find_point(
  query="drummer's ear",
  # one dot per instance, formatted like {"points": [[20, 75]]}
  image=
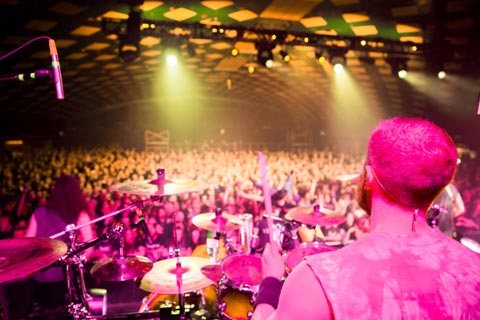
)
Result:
{"points": [[369, 177]]}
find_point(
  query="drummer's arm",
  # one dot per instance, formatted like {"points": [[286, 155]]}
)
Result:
{"points": [[32, 227], [302, 297], [86, 232]]}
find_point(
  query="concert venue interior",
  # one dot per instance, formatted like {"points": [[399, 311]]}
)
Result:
{"points": [[197, 88]]}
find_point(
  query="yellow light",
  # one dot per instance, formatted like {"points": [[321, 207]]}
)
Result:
{"points": [[441, 75], [234, 52], [363, 43], [321, 59], [214, 30], [274, 36], [414, 48], [338, 68], [306, 40], [251, 69], [402, 73]]}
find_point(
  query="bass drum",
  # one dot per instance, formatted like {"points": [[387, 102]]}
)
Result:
{"points": [[200, 304], [236, 303]]}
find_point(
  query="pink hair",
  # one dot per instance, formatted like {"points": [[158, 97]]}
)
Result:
{"points": [[413, 159]]}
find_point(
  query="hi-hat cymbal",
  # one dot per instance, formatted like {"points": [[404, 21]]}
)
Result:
{"points": [[223, 223], [122, 268], [21, 256], [315, 216], [159, 187], [169, 277]]}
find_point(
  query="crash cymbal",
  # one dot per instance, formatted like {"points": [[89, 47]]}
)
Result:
{"points": [[316, 216], [122, 268], [159, 187], [21, 256], [218, 223], [167, 277]]}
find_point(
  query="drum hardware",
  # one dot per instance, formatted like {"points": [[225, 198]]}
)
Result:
{"points": [[77, 297]]}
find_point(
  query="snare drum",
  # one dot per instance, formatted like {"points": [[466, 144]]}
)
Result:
{"points": [[243, 270]]}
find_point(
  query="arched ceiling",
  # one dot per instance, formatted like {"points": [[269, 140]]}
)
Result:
{"points": [[102, 90]]}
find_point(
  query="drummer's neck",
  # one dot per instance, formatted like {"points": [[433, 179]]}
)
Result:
{"points": [[388, 216]]}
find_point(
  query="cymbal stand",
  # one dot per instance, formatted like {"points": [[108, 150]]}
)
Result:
{"points": [[77, 298], [178, 271]]}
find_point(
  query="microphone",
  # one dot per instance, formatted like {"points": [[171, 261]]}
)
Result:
{"points": [[144, 228], [57, 73], [37, 74]]}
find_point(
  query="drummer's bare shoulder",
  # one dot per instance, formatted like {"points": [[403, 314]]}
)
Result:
{"points": [[310, 299]]}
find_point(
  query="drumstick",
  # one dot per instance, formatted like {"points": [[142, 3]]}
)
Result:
{"points": [[266, 194]]}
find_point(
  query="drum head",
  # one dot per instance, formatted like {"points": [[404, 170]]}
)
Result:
{"points": [[243, 269], [295, 256]]}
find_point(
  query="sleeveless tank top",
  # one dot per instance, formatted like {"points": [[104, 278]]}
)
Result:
{"points": [[401, 276]]}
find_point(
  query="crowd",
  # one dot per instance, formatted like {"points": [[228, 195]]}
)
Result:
{"points": [[297, 179]]}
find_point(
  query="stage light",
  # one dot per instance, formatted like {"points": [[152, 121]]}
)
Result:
{"points": [[234, 52], [264, 54], [398, 66], [251, 69], [172, 59], [191, 50], [337, 58], [285, 56], [441, 75], [320, 55], [129, 49], [338, 61]]}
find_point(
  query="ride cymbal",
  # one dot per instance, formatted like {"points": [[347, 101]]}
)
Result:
{"points": [[176, 276], [315, 216], [122, 268], [21, 256], [159, 187]]}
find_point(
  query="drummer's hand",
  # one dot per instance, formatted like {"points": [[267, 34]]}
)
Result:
{"points": [[272, 262]]}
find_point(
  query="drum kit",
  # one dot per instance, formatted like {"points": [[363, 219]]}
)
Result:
{"points": [[212, 286]]}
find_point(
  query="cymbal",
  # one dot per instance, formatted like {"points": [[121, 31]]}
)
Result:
{"points": [[223, 223], [122, 268], [167, 277], [212, 271], [315, 216], [354, 177], [159, 187], [21, 256], [295, 256]]}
